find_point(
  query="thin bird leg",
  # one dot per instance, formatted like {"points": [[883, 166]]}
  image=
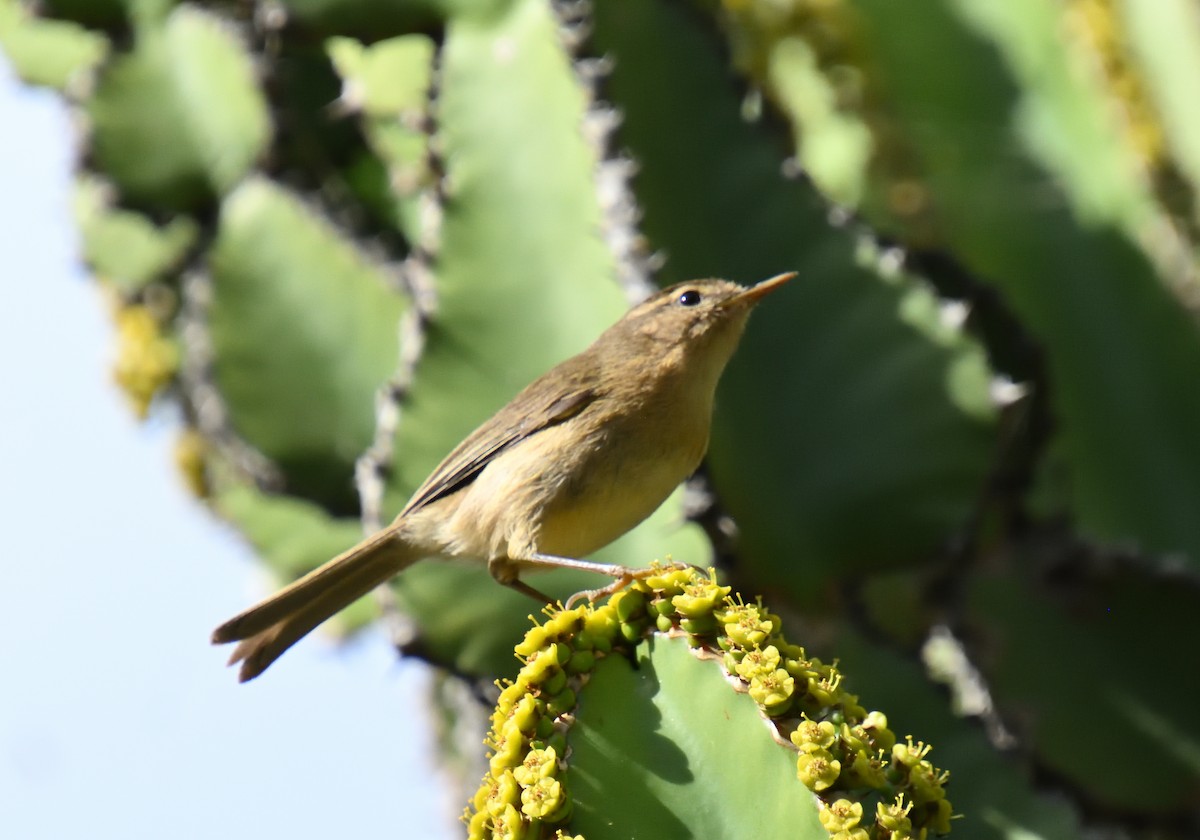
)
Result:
{"points": [[622, 575], [525, 589], [550, 561]]}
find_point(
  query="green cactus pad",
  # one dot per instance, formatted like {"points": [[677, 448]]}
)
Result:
{"points": [[125, 248], [208, 123], [1093, 681], [304, 331], [388, 85], [609, 734], [53, 53], [1121, 351], [661, 746], [851, 429]]}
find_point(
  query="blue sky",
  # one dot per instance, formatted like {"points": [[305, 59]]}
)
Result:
{"points": [[117, 719]]}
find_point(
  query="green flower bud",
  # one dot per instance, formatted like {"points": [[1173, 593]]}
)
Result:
{"points": [[562, 703], [554, 683], [662, 607], [581, 662], [876, 726], [704, 626], [629, 604], [633, 633]]}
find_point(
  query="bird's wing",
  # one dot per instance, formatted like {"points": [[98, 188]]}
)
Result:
{"points": [[546, 402]]}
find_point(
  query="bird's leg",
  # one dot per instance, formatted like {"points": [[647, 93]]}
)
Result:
{"points": [[622, 575], [506, 570], [551, 561], [525, 589], [626, 577]]}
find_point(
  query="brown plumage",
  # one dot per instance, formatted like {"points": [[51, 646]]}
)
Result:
{"points": [[576, 459]]}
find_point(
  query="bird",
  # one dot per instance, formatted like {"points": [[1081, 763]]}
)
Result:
{"points": [[576, 459]]}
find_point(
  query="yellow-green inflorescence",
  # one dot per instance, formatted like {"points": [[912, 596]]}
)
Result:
{"points": [[869, 786], [147, 357]]}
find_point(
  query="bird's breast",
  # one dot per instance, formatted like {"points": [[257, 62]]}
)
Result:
{"points": [[625, 470], [573, 488]]}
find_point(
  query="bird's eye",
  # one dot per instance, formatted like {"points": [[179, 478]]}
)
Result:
{"points": [[689, 298]]}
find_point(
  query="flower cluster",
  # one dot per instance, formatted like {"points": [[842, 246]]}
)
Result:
{"points": [[847, 756], [525, 788], [147, 360], [870, 787]]}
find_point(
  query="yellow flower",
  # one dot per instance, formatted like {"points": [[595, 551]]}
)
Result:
{"points": [[894, 817], [699, 598], [509, 825], [818, 769], [502, 792], [544, 800], [773, 691], [746, 626], [811, 735], [146, 359], [538, 764], [910, 754], [841, 815]]}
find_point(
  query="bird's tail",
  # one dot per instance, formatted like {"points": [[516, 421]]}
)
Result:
{"points": [[273, 625]]}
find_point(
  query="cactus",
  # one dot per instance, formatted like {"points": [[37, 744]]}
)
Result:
{"points": [[958, 455]]}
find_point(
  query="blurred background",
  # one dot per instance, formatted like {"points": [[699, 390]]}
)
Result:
{"points": [[315, 242], [117, 718]]}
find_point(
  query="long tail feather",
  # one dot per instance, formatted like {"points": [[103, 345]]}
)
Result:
{"points": [[273, 625]]}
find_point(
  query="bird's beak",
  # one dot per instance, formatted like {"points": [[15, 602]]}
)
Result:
{"points": [[759, 290]]}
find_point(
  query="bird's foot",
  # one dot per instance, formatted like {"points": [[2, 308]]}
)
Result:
{"points": [[624, 576]]}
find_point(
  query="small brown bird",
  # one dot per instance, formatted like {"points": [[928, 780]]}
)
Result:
{"points": [[579, 457]]}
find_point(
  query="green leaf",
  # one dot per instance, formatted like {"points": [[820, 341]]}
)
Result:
{"points": [[389, 78], [304, 331], [667, 749], [53, 53], [1095, 680], [125, 248], [852, 429], [1164, 43], [388, 83], [1121, 351], [178, 121]]}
